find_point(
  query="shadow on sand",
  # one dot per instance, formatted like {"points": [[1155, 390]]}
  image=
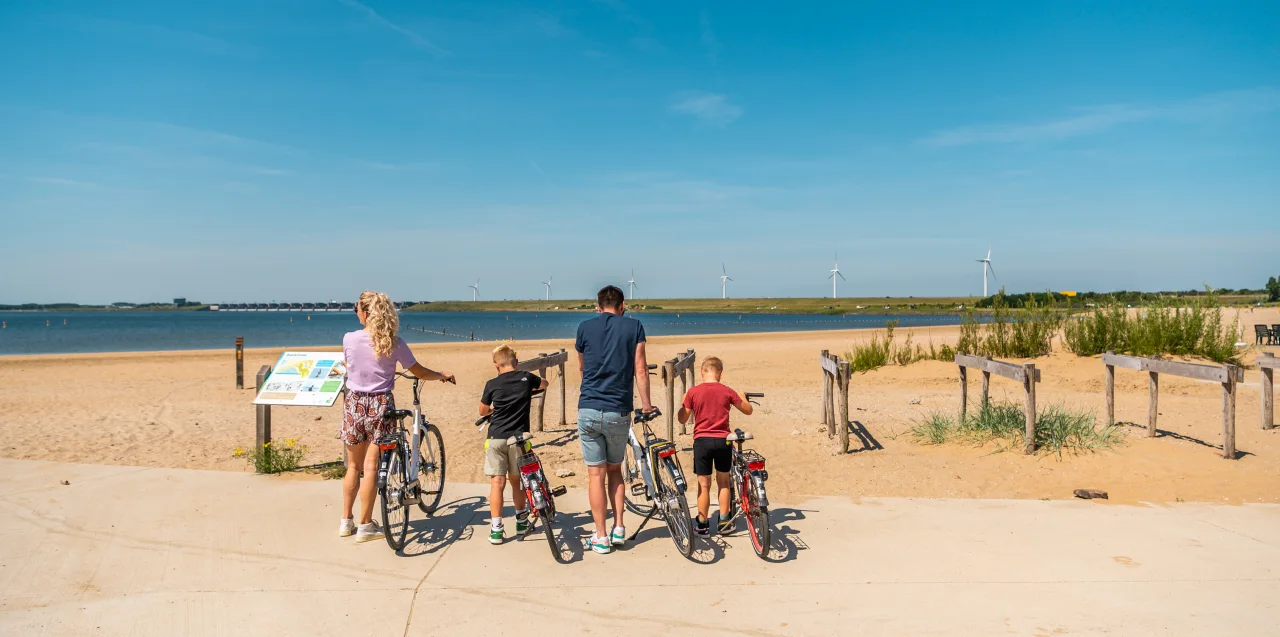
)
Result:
{"points": [[1162, 433]]}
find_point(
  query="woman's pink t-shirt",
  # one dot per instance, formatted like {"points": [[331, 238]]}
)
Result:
{"points": [[368, 372]]}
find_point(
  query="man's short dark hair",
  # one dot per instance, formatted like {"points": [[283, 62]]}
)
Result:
{"points": [[610, 298]]}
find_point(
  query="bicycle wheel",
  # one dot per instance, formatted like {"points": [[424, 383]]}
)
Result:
{"points": [[431, 468], [547, 516], [395, 515], [675, 509], [757, 519], [637, 504]]}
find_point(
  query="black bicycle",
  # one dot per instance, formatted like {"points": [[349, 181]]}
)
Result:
{"points": [[411, 470], [747, 476], [539, 494], [660, 480]]}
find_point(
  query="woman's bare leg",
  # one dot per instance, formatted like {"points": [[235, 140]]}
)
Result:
{"points": [[369, 484], [351, 481]]}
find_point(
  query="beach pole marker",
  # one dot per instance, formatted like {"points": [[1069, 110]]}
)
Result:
{"points": [[239, 362]]}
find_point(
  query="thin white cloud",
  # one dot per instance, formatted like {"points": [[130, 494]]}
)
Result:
{"points": [[161, 36], [1100, 118], [710, 108], [709, 41], [416, 38]]}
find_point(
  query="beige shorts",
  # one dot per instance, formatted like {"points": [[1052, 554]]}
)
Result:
{"points": [[502, 456]]}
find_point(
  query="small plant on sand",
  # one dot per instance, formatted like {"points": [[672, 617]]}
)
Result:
{"points": [[1058, 429], [273, 457], [1163, 329], [874, 354], [335, 470]]}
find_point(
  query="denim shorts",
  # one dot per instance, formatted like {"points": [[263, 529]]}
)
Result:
{"points": [[603, 435]]}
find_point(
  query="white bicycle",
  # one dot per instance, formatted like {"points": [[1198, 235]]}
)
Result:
{"points": [[412, 468]]}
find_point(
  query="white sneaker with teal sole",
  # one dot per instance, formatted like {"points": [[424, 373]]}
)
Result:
{"points": [[601, 545], [619, 536]]}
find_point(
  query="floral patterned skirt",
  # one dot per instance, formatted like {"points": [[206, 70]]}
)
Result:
{"points": [[364, 417]]}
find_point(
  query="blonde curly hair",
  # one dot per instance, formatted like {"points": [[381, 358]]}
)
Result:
{"points": [[381, 320]]}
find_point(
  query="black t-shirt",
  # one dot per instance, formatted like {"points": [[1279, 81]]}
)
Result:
{"points": [[509, 394], [608, 345]]}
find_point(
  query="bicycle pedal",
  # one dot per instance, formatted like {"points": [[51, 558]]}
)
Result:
{"points": [[637, 490], [559, 491]]}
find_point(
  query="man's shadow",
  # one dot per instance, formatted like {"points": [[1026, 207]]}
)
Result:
{"points": [[450, 523]]}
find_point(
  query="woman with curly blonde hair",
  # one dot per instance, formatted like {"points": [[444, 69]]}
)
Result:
{"points": [[371, 356]]}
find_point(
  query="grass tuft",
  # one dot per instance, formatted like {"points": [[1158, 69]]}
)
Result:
{"points": [[1058, 429], [273, 457]]}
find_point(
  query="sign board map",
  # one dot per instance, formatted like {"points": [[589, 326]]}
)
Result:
{"points": [[309, 379]]}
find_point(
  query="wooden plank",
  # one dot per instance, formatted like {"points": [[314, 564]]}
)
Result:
{"points": [[1153, 409], [1122, 361], [543, 361], [843, 428], [999, 368], [829, 363], [1267, 360], [1229, 415], [969, 360], [685, 361]]}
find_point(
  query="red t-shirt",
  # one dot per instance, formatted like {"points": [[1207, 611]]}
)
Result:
{"points": [[710, 404]]}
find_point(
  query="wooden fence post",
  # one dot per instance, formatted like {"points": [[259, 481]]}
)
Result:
{"points": [[1111, 393], [844, 405], [986, 389], [1229, 413], [668, 379], [1267, 379], [563, 406], [1030, 385], [831, 398], [1153, 408], [825, 391], [263, 411], [239, 362], [694, 370], [539, 406], [964, 391]]}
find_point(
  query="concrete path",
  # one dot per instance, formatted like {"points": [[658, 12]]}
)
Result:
{"points": [[142, 551]]}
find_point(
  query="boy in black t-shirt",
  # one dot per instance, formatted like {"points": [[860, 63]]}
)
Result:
{"points": [[506, 401]]}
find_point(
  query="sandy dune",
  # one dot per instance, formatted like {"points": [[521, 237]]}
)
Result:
{"points": [[180, 409]]}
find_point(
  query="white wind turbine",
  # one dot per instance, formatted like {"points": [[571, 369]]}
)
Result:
{"points": [[548, 284], [835, 273], [475, 291], [724, 279], [986, 265], [631, 285]]}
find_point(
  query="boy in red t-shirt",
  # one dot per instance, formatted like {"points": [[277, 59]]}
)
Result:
{"points": [[709, 404]]}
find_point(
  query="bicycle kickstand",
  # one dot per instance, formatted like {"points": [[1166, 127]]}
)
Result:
{"points": [[642, 523]]}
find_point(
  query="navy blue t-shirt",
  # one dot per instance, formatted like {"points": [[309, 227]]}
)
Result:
{"points": [[608, 345]]}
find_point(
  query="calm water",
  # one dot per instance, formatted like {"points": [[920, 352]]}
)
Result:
{"points": [[68, 332]]}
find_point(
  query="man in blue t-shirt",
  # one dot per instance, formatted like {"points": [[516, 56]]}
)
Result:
{"points": [[611, 357]]}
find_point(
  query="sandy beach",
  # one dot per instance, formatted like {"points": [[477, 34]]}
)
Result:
{"points": [[181, 410]]}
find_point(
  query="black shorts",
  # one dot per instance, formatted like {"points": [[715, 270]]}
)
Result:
{"points": [[708, 452]]}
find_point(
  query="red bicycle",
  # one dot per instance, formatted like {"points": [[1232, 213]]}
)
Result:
{"points": [[747, 476]]}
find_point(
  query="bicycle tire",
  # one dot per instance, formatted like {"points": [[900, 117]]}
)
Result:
{"points": [[637, 504], [395, 515], [676, 510], [431, 478], [757, 517], [547, 516]]}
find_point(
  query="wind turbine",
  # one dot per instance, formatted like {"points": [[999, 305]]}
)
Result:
{"points": [[475, 291], [835, 273], [548, 284], [631, 285], [986, 265], [724, 279]]}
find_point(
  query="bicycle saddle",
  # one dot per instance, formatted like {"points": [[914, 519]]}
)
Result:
{"points": [[522, 437], [739, 435], [399, 413]]}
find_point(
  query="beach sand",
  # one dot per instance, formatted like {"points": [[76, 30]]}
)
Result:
{"points": [[181, 409]]}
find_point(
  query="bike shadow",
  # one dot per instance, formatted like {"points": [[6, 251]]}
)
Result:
{"points": [[450, 523], [706, 549], [571, 536], [785, 543]]}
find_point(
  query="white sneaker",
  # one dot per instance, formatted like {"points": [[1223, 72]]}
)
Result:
{"points": [[367, 532], [619, 536], [346, 528]]}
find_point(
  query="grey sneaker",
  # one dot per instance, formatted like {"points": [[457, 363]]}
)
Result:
{"points": [[346, 528], [367, 532]]}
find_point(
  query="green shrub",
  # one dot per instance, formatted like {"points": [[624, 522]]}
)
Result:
{"points": [[273, 457], [1058, 429], [1160, 330]]}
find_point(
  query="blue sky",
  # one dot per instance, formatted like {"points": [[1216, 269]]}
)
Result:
{"points": [[297, 150]]}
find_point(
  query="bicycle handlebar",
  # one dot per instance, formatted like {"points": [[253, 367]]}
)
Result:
{"points": [[642, 417], [409, 376], [749, 395]]}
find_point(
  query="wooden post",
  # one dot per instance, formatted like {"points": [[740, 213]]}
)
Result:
{"points": [[563, 408], [844, 406], [1111, 393], [263, 411], [684, 388], [540, 406], [239, 362], [826, 393], [1153, 408], [694, 370], [668, 379], [831, 400], [1267, 380], [1030, 385], [986, 388], [964, 391], [1229, 413]]}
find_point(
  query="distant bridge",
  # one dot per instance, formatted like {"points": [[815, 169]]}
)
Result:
{"points": [[330, 306]]}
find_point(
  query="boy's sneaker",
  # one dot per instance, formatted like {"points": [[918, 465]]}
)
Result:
{"points": [[368, 532], [523, 525], [497, 535], [601, 545], [347, 527], [701, 526], [619, 536], [725, 525]]}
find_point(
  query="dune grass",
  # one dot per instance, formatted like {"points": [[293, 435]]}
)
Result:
{"points": [[1058, 429], [881, 351], [1160, 330]]}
